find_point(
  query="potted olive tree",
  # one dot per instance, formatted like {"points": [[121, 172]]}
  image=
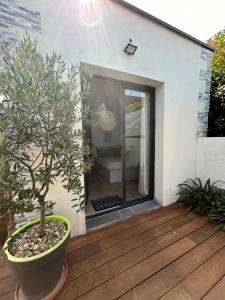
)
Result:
{"points": [[4, 204], [43, 103], [11, 198]]}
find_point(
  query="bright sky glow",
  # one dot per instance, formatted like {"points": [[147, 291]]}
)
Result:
{"points": [[199, 18]]}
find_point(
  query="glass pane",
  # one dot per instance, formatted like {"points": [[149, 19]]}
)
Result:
{"points": [[105, 180], [137, 135]]}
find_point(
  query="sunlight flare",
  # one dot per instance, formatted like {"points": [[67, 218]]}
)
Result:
{"points": [[90, 12]]}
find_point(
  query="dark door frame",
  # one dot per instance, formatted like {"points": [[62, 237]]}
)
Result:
{"points": [[143, 88]]}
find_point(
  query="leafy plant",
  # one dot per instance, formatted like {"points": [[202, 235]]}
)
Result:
{"points": [[201, 198], [217, 93], [218, 215], [41, 137]]}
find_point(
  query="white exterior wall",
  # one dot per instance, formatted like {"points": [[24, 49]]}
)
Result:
{"points": [[164, 59], [211, 159]]}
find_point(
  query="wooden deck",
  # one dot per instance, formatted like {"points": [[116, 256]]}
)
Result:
{"points": [[163, 254]]}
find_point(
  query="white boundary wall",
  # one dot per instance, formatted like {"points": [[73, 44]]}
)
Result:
{"points": [[211, 159]]}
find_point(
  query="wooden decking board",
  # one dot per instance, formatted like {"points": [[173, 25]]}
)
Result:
{"points": [[139, 254], [85, 266], [160, 283], [217, 292], [8, 296], [178, 221], [122, 283], [99, 234], [4, 270], [132, 243], [144, 235], [139, 228], [74, 289], [7, 284], [82, 253], [126, 261], [181, 257], [182, 219], [112, 253], [199, 282], [129, 244]]}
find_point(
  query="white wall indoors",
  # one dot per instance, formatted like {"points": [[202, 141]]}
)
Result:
{"points": [[211, 159], [164, 59]]}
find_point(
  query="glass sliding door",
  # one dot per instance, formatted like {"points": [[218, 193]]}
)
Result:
{"points": [[105, 179], [137, 142], [122, 145]]}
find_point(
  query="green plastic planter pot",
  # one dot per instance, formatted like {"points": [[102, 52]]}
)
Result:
{"points": [[39, 275]]}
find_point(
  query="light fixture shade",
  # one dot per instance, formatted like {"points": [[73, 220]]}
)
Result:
{"points": [[130, 48]]}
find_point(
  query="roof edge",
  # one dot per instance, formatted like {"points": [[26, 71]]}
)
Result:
{"points": [[164, 24]]}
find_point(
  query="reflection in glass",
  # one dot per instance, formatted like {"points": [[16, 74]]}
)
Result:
{"points": [[105, 180], [137, 143]]}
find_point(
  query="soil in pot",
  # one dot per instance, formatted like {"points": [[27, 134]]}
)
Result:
{"points": [[28, 243]]}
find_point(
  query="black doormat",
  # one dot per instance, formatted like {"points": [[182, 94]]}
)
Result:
{"points": [[107, 202]]}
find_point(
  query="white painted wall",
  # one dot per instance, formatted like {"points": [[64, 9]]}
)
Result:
{"points": [[164, 59], [211, 159]]}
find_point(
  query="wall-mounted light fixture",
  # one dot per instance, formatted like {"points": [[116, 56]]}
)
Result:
{"points": [[130, 48]]}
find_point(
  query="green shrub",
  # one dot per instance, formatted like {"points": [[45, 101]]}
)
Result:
{"points": [[218, 215], [201, 198]]}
